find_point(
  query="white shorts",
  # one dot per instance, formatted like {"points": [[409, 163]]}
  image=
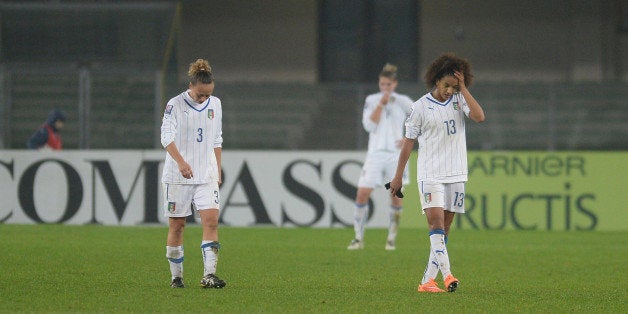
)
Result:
{"points": [[379, 168], [180, 198], [449, 196]]}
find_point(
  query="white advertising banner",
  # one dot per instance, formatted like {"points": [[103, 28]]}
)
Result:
{"points": [[121, 187]]}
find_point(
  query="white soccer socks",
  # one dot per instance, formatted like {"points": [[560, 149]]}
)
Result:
{"points": [[210, 256], [431, 270], [439, 249], [393, 226], [359, 220], [174, 254]]}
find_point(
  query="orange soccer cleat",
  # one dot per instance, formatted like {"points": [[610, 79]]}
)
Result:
{"points": [[451, 283], [430, 286]]}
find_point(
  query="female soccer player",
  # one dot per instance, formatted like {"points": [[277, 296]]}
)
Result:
{"points": [[383, 117], [438, 122], [191, 132]]}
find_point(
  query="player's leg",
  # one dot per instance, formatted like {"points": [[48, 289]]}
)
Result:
{"points": [[210, 247], [431, 269], [207, 198], [372, 175], [174, 250], [432, 203], [176, 207], [449, 218], [393, 225], [210, 244], [390, 167], [360, 216], [454, 203], [438, 260]]}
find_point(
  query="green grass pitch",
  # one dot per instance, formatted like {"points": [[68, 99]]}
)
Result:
{"points": [[57, 268]]}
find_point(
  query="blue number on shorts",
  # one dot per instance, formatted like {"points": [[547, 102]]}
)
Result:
{"points": [[451, 127], [459, 200], [216, 195], [200, 135]]}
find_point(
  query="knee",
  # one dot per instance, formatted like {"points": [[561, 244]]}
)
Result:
{"points": [[362, 196], [210, 221], [177, 226]]}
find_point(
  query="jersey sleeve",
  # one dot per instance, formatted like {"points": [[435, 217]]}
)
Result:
{"points": [[218, 125], [369, 107], [464, 106], [414, 121], [169, 124]]}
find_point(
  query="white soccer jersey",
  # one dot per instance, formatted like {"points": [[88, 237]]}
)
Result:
{"points": [[385, 135], [196, 129], [440, 130]]}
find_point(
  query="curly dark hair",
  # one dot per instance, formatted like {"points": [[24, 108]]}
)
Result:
{"points": [[445, 65]]}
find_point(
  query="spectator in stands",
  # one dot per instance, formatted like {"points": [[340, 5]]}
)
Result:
{"points": [[382, 117], [437, 122], [191, 133], [48, 134]]}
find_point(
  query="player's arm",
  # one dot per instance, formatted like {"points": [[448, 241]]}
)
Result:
{"points": [[168, 132], [372, 113], [376, 114], [218, 153], [218, 140], [476, 113], [406, 148], [184, 167]]}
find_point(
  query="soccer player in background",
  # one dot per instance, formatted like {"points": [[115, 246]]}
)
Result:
{"points": [[437, 121], [383, 117], [191, 133], [48, 134]]}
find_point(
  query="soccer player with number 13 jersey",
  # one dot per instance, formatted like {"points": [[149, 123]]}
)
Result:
{"points": [[437, 122]]}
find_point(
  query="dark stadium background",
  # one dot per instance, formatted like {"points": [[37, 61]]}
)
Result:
{"points": [[552, 75]]}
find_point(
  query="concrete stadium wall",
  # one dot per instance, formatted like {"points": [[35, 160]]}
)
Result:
{"points": [[252, 40], [505, 40]]}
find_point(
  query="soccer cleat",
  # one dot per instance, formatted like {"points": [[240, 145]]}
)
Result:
{"points": [[355, 245], [390, 245], [212, 281], [451, 283], [430, 286], [177, 282]]}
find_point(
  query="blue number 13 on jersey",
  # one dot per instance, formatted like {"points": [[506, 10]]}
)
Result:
{"points": [[451, 127]]}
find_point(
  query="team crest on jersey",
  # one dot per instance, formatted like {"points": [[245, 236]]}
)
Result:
{"points": [[210, 113], [168, 109], [456, 106], [427, 197], [172, 207]]}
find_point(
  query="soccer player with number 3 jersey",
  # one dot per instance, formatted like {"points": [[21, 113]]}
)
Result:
{"points": [[437, 122], [191, 133]]}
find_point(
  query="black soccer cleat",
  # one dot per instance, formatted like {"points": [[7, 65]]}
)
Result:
{"points": [[212, 281], [177, 282]]}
